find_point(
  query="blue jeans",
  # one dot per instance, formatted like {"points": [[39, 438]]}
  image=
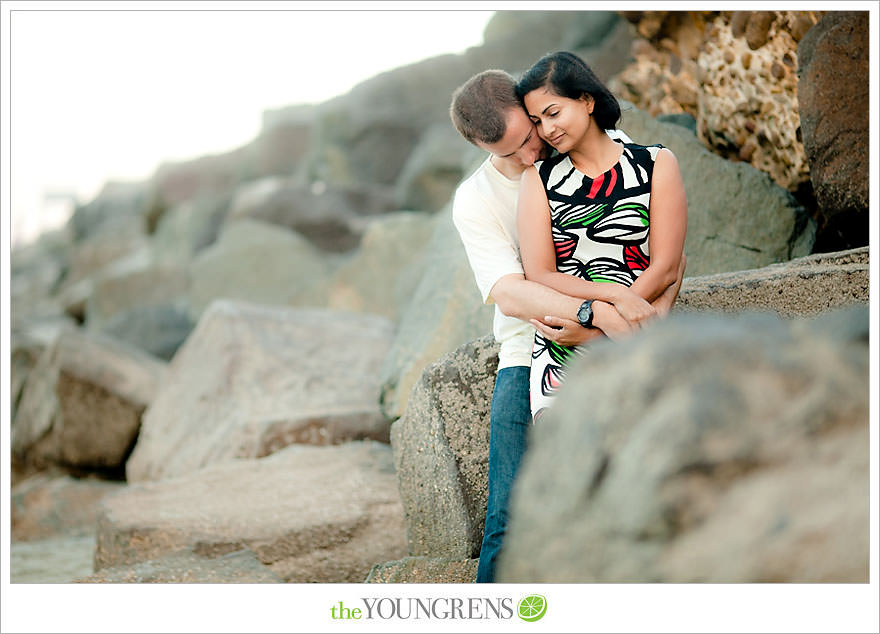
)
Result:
{"points": [[509, 425]]}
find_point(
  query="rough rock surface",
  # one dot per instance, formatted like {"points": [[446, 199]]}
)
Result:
{"points": [[445, 312], [801, 287], [47, 505], [81, 406], [834, 100], [241, 566], [738, 218], [739, 454], [424, 570], [312, 514], [441, 449], [253, 379]]}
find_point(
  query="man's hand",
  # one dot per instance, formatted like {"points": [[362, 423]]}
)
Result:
{"points": [[607, 318]]}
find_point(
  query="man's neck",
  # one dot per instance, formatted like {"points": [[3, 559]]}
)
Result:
{"points": [[511, 168]]}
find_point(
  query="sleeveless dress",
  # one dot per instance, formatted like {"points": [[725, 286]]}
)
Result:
{"points": [[600, 233]]}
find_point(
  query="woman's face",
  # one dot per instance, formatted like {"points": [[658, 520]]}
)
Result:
{"points": [[560, 121]]}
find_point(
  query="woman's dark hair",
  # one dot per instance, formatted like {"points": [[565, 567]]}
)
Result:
{"points": [[569, 76]]}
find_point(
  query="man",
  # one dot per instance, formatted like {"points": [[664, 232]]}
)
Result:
{"points": [[487, 113]]}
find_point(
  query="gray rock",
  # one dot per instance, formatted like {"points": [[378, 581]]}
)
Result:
{"points": [[117, 238], [159, 329], [738, 218], [424, 570], [185, 229], [82, 403], [259, 262], [446, 311], [312, 514], [253, 379], [705, 449], [241, 566], [801, 287], [52, 560], [441, 452], [433, 170], [46, 506], [329, 216], [381, 275], [115, 201], [834, 117]]}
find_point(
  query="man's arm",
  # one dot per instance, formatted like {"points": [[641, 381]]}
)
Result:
{"points": [[533, 302], [568, 332]]}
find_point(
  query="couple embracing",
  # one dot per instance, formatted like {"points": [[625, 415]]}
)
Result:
{"points": [[573, 231]]}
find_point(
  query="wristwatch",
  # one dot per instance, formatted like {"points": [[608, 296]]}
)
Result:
{"points": [[585, 314]]}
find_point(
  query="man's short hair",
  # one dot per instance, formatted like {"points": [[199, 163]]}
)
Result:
{"points": [[480, 104]]}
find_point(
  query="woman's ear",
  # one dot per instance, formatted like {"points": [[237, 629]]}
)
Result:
{"points": [[589, 101]]}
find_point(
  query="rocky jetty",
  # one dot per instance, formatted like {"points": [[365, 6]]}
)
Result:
{"points": [[273, 365]]}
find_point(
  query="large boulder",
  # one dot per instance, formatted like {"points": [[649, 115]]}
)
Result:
{"points": [[253, 379], [52, 560], [445, 312], [332, 217], [381, 276], [801, 287], [705, 449], [81, 406], [115, 201], [258, 262], [833, 96], [187, 228], [441, 452], [738, 218], [312, 514]]}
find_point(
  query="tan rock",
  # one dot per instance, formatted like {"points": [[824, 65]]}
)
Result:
{"points": [[45, 506], [241, 566], [82, 403], [312, 514], [424, 570], [251, 379]]}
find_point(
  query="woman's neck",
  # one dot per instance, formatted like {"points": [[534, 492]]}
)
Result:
{"points": [[596, 153]]}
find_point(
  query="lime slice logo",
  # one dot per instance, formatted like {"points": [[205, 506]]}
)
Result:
{"points": [[532, 608]]}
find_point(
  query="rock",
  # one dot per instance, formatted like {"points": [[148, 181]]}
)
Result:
{"points": [[441, 452], [241, 566], [424, 570], [737, 217], [115, 201], [834, 118], [52, 560], [381, 276], [329, 216], [125, 287], [802, 287], [46, 506], [159, 329], [186, 229], [258, 262], [118, 238], [312, 514], [433, 170], [446, 311], [739, 455], [82, 403], [253, 379]]}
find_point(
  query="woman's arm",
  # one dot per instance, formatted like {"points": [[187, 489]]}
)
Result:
{"points": [[539, 256], [668, 217]]}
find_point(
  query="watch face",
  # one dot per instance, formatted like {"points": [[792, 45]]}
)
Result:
{"points": [[585, 314]]}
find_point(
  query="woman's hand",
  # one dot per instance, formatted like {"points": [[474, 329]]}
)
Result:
{"points": [[632, 307]]}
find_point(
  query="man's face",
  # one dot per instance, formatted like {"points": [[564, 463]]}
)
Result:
{"points": [[520, 145]]}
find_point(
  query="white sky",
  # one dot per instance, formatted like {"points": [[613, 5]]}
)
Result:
{"points": [[110, 94]]}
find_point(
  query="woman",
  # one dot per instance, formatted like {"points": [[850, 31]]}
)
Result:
{"points": [[601, 220]]}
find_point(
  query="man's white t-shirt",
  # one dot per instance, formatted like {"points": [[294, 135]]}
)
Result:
{"points": [[484, 212]]}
